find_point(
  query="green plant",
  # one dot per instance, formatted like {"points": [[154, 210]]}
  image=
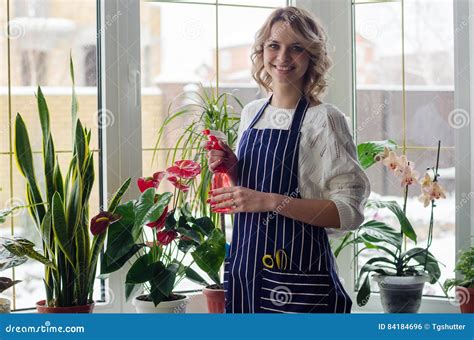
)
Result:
{"points": [[61, 214], [464, 266], [160, 260], [392, 258], [207, 111], [7, 259]]}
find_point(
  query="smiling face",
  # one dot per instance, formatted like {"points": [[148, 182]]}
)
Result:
{"points": [[284, 56]]}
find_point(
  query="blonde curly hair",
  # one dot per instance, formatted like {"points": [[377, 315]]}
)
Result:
{"points": [[313, 38]]}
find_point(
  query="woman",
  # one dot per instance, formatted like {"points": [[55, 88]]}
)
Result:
{"points": [[296, 175]]}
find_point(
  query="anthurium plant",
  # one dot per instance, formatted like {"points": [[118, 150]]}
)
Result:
{"points": [[207, 111], [60, 210], [156, 231], [393, 258]]}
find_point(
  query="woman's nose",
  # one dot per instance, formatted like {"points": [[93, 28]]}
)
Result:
{"points": [[283, 54]]}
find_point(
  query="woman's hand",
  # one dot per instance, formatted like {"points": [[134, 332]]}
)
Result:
{"points": [[225, 157], [241, 199]]}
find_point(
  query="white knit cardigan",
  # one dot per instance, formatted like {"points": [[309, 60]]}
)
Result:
{"points": [[328, 164]]}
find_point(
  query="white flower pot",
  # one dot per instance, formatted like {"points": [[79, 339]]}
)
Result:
{"points": [[5, 305], [164, 307]]}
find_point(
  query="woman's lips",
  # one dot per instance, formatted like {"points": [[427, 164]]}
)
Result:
{"points": [[283, 69]]}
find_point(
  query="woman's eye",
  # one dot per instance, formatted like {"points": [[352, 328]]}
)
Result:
{"points": [[272, 46], [298, 49]]}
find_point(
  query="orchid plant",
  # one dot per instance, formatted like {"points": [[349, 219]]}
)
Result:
{"points": [[374, 234], [159, 263]]}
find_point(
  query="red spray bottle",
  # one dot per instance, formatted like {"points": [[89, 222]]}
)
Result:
{"points": [[220, 177]]}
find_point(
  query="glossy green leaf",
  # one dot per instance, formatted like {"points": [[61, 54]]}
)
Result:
{"points": [[367, 151], [63, 234]]}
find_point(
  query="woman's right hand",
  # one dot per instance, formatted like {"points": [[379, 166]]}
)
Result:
{"points": [[225, 157]]}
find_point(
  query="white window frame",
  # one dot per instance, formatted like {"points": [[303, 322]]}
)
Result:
{"points": [[337, 17]]}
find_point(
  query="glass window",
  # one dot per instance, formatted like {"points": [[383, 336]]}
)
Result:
{"points": [[414, 63], [42, 35]]}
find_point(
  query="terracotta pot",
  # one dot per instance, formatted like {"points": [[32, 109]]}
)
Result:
{"points": [[165, 307], [215, 300], [466, 299], [84, 309], [401, 294]]}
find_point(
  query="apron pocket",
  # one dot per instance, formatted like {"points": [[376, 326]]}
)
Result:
{"points": [[295, 292]]}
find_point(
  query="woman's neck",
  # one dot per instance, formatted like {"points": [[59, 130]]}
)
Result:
{"points": [[287, 97]]}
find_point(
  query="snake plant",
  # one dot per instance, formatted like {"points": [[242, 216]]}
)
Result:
{"points": [[60, 210]]}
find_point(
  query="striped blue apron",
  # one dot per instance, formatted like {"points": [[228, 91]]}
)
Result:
{"points": [[268, 162]]}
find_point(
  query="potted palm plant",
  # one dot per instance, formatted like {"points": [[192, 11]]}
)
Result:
{"points": [[159, 261], [465, 285], [401, 273], [208, 111], [60, 213]]}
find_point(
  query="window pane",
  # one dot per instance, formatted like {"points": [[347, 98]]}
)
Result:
{"points": [[3, 80], [429, 49], [45, 33], [378, 72], [176, 55]]}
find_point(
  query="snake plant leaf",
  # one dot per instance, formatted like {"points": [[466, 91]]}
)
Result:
{"points": [[115, 201], [88, 178], [80, 145], [47, 232], [58, 180], [366, 152], [24, 159], [63, 232], [82, 260], [74, 206], [43, 113], [49, 166], [74, 103]]}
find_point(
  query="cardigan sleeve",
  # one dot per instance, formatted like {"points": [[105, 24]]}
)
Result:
{"points": [[344, 181]]}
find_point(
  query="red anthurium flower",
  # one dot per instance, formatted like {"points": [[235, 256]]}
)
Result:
{"points": [[102, 221], [145, 183], [166, 236], [177, 183], [157, 177], [186, 169], [159, 223]]}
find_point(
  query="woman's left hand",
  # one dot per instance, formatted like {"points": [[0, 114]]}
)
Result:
{"points": [[241, 199]]}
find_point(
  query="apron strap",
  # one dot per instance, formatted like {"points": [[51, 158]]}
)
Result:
{"points": [[260, 112], [299, 115]]}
